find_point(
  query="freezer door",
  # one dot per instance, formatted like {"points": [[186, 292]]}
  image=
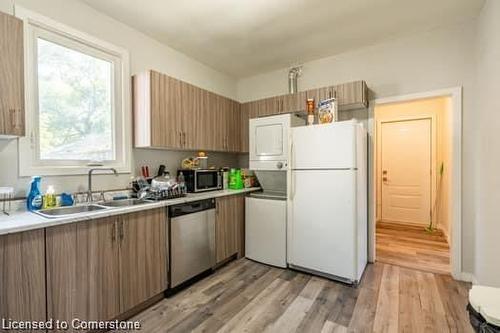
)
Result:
{"points": [[327, 146], [322, 222], [265, 231]]}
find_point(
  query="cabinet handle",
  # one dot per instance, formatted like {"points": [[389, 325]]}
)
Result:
{"points": [[121, 231], [180, 139], [13, 118], [184, 135], [113, 233]]}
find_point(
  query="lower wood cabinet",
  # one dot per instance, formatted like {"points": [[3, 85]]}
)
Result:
{"points": [[98, 269], [229, 227], [143, 256], [83, 271], [22, 276]]}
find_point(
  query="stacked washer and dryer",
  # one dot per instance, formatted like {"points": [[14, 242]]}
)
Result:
{"points": [[266, 211], [312, 212]]}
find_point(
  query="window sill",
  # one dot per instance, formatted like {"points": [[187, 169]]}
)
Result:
{"points": [[67, 170]]}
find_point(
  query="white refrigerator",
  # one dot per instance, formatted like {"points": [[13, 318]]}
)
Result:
{"points": [[327, 211]]}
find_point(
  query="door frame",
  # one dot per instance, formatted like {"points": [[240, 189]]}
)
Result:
{"points": [[455, 94], [378, 153]]}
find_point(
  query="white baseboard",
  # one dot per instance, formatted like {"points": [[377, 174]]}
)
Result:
{"points": [[466, 277]]}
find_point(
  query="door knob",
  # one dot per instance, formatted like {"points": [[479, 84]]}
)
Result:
{"points": [[279, 165]]}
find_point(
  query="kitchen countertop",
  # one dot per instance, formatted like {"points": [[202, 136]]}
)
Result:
{"points": [[23, 220]]}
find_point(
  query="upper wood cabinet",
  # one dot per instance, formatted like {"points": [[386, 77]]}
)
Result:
{"points": [[350, 96], [22, 276], [172, 114], [229, 227], [244, 124], [292, 102], [11, 76], [99, 269], [169, 113]]}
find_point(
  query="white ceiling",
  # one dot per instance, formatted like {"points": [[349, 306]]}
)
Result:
{"points": [[246, 37]]}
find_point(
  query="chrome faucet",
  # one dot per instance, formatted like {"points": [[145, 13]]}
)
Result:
{"points": [[89, 193]]}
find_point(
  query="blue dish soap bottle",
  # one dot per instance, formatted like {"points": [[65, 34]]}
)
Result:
{"points": [[34, 201]]}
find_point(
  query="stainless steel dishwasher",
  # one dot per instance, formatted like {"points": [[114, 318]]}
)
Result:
{"points": [[192, 240]]}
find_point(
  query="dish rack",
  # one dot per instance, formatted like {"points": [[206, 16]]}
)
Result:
{"points": [[165, 194], [6, 197]]}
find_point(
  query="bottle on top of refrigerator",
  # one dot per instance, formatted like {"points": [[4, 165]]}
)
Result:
{"points": [[34, 201], [310, 111]]}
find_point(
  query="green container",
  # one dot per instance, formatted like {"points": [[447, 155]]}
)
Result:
{"points": [[235, 179]]}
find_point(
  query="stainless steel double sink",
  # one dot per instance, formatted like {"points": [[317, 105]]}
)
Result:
{"points": [[93, 207]]}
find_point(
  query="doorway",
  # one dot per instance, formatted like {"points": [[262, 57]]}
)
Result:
{"points": [[413, 173]]}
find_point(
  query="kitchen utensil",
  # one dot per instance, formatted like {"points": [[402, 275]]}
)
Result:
{"points": [[161, 170], [145, 171]]}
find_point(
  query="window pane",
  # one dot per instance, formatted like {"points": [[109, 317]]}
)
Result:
{"points": [[75, 114]]}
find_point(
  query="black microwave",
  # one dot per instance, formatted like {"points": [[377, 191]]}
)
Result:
{"points": [[200, 180]]}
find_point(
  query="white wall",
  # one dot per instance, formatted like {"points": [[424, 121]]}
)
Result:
{"points": [[145, 53], [487, 193], [427, 61]]}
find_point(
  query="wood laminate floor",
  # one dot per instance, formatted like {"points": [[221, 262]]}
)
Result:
{"points": [[412, 247], [245, 296]]}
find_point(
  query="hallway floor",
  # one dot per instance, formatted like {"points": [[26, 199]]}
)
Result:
{"points": [[412, 247]]}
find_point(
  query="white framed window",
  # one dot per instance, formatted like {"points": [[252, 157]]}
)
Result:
{"points": [[77, 101]]}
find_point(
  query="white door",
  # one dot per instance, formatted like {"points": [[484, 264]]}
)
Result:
{"points": [[327, 146], [405, 171], [322, 221], [265, 231], [269, 138]]}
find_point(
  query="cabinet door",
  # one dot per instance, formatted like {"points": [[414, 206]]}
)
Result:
{"points": [[225, 123], [352, 95], [166, 116], [270, 106], [293, 102], [253, 109], [83, 271], [143, 256], [229, 226], [22, 278], [238, 213], [316, 94], [218, 122], [233, 121], [11, 76], [190, 126], [244, 122]]}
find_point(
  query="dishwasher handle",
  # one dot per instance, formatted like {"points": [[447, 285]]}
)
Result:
{"points": [[191, 207]]}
